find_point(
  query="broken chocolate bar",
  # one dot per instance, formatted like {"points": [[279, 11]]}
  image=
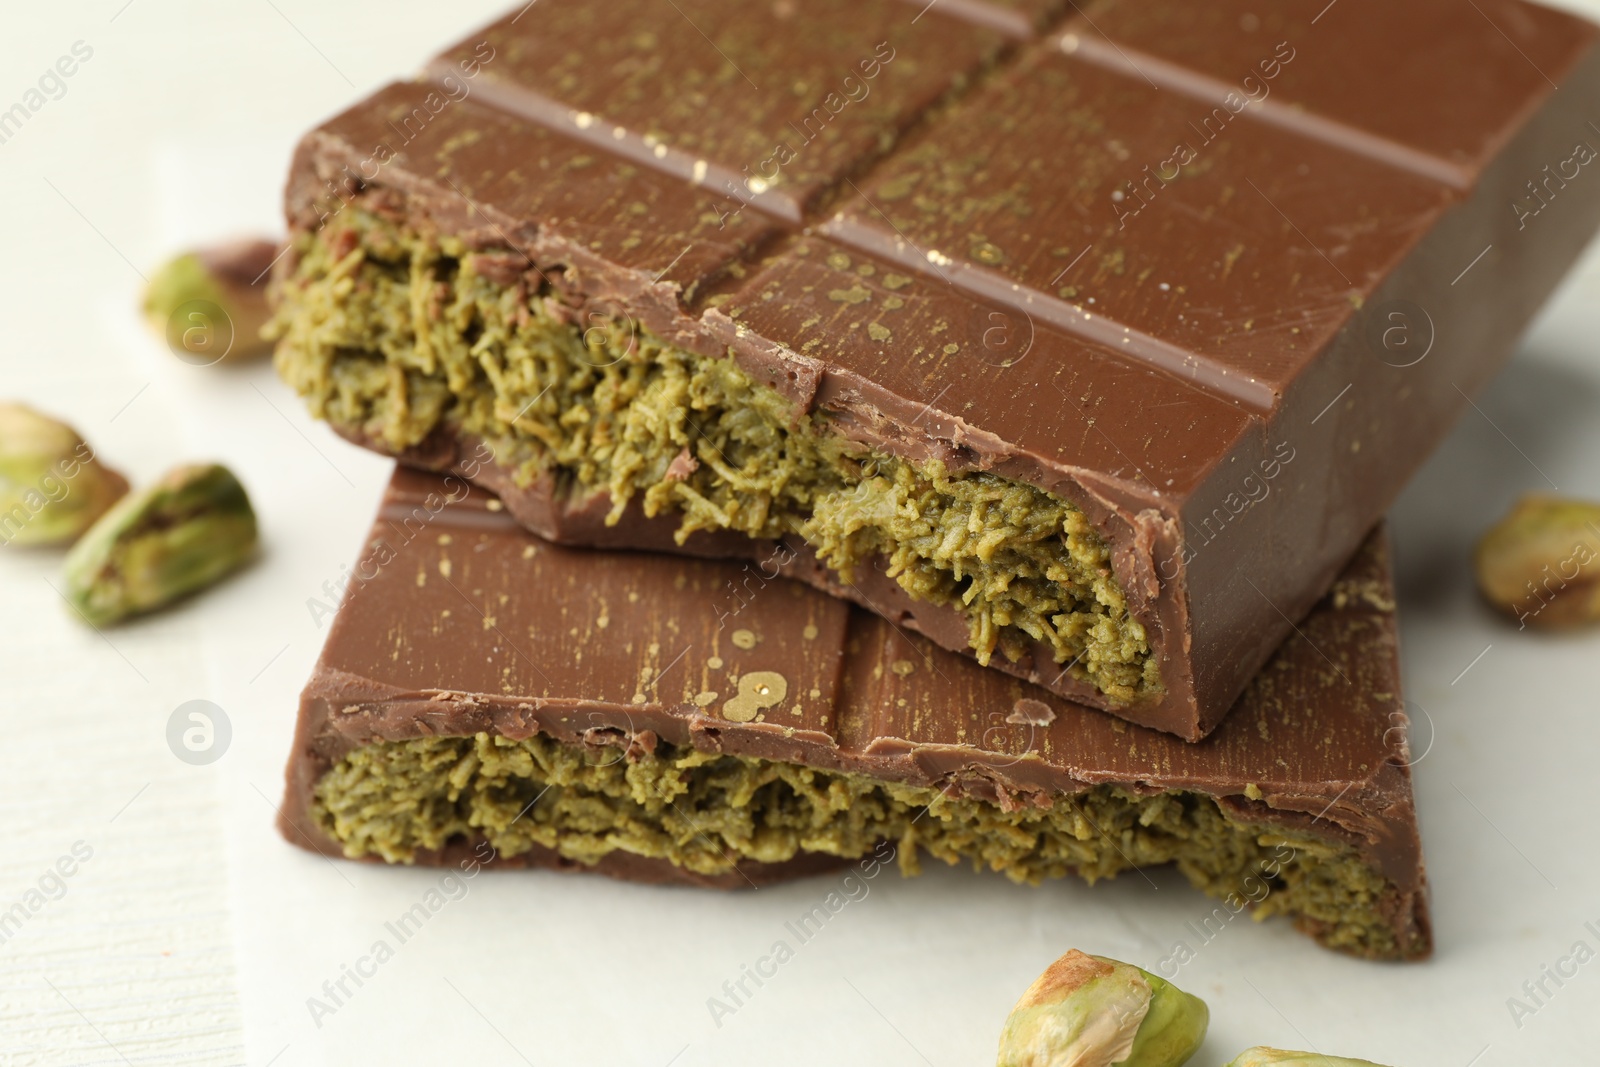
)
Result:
{"points": [[1091, 344], [484, 692]]}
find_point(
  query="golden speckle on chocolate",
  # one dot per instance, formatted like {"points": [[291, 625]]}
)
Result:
{"points": [[757, 690], [984, 252]]}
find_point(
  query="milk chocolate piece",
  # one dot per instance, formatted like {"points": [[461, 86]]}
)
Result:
{"points": [[1091, 341], [486, 694]]}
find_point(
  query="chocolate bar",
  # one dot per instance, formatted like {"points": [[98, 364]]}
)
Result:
{"points": [[487, 695], [1092, 343]]}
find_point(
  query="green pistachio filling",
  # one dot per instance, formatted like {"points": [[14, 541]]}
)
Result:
{"points": [[704, 812], [391, 333]]}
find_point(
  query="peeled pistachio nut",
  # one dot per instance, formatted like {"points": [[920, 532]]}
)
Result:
{"points": [[1262, 1056], [1541, 563], [211, 304], [51, 486], [179, 535], [1090, 1011]]}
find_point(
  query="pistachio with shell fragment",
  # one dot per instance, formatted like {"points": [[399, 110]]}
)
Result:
{"points": [[211, 304], [180, 535], [1090, 1011], [52, 487]]}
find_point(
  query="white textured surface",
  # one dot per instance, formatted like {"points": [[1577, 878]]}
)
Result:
{"points": [[192, 934]]}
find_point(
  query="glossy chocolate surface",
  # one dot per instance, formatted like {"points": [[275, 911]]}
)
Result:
{"points": [[457, 621]]}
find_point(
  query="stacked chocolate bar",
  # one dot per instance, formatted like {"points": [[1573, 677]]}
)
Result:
{"points": [[1070, 357]]}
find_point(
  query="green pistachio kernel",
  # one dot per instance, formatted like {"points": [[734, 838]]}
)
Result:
{"points": [[52, 488], [211, 304], [1090, 1011], [180, 535], [1541, 563]]}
